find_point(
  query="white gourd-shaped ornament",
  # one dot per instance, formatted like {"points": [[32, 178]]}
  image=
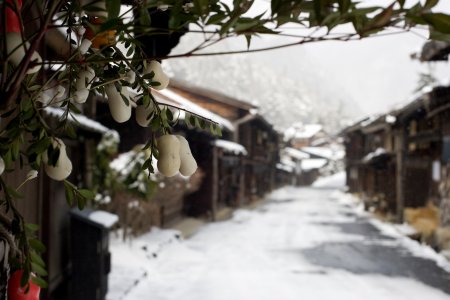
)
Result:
{"points": [[169, 155], [83, 84], [161, 77], [2, 166], [142, 113], [16, 47], [120, 111], [188, 164], [63, 167]]}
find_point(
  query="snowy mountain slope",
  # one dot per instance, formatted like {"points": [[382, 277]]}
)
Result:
{"points": [[283, 100]]}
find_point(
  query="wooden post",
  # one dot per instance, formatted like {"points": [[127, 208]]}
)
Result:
{"points": [[400, 150], [215, 183]]}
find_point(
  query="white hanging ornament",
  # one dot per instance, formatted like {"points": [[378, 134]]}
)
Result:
{"points": [[16, 49], [120, 111], [84, 46], [63, 166], [44, 98], [130, 77], [169, 160], [155, 67], [188, 164], [142, 113], [2, 166], [83, 84]]}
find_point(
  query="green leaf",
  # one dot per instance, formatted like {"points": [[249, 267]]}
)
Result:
{"points": [[36, 245], [245, 24], [32, 227], [110, 24], [216, 19], [81, 202], [144, 16], [13, 193], [87, 194], [69, 194], [36, 258], [439, 21], [25, 277], [39, 281], [148, 75], [438, 36], [39, 146], [219, 130], [113, 8], [38, 269], [248, 38], [430, 4], [34, 87], [169, 115]]}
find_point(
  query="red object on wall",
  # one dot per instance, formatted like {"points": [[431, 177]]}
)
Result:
{"points": [[16, 292], [12, 19]]}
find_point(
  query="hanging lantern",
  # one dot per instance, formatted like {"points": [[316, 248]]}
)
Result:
{"points": [[16, 292]]}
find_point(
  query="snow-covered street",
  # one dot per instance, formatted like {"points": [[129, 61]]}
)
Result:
{"points": [[304, 243]]}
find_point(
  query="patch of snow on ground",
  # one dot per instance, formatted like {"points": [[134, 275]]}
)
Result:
{"points": [[334, 181], [258, 254], [104, 218]]}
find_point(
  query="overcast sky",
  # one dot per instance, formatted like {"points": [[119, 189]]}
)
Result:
{"points": [[376, 73]]}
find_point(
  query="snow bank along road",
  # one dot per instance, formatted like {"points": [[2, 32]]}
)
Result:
{"points": [[305, 243]]}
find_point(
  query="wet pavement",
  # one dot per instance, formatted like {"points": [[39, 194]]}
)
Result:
{"points": [[375, 254]]}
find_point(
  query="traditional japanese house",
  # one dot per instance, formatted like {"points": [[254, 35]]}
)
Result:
{"points": [[389, 155], [260, 139], [174, 197], [371, 163], [293, 158], [305, 135], [251, 130]]}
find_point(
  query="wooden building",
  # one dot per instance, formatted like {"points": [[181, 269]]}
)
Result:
{"points": [[252, 131], [44, 202], [260, 139], [400, 159]]}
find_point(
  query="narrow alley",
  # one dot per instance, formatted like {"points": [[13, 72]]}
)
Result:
{"points": [[303, 243]]}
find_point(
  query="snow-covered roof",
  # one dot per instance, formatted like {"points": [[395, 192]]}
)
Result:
{"points": [[319, 142], [79, 120], [284, 167], [125, 162], [285, 160], [313, 163], [230, 147], [168, 96], [373, 154], [324, 152], [296, 154], [103, 218], [300, 131]]}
